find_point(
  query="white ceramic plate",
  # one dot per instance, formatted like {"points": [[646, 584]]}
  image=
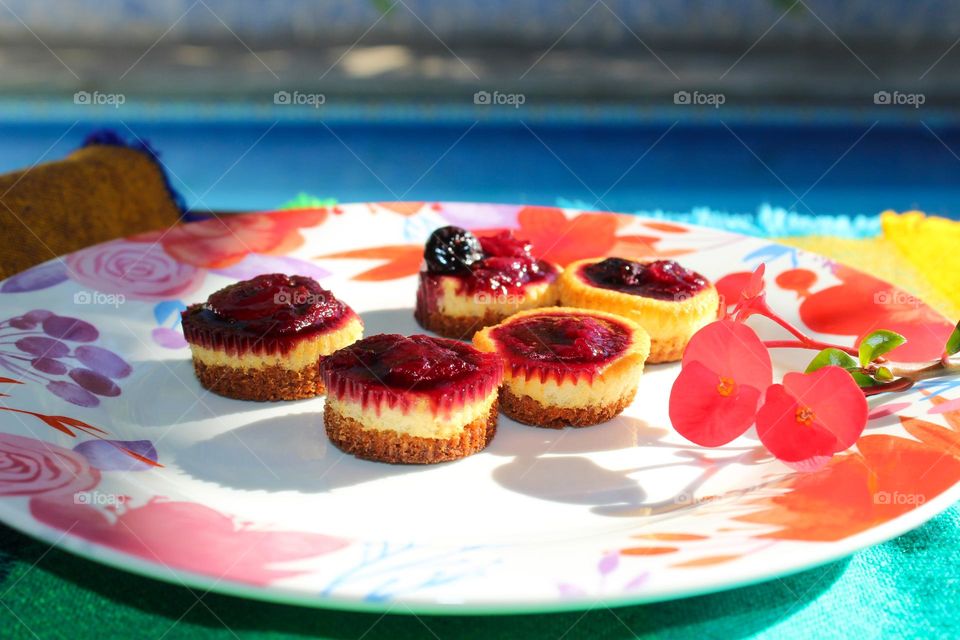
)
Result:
{"points": [[252, 499]]}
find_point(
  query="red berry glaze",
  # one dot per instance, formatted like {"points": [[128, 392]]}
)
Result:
{"points": [[397, 369], [561, 344], [266, 314], [660, 279]]}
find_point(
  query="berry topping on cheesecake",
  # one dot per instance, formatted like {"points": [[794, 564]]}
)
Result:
{"points": [[276, 303], [660, 279], [565, 339], [499, 263]]}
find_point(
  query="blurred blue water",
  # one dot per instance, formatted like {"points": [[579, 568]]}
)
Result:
{"points": [[839, 168]]}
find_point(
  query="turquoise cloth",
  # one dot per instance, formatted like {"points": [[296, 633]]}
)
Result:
{"points": [[766, 222]]}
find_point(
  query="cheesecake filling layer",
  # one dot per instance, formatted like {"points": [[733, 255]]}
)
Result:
{"points": [[305, 352], [418, 418], [616, 382], [446, 295]]}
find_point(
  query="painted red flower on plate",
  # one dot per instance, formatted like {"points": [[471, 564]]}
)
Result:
{"points": [[227, 239]]}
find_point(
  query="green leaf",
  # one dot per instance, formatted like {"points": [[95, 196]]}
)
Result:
{"points": [[953, 342], [832, 357], [863, 380], [878, 343]]}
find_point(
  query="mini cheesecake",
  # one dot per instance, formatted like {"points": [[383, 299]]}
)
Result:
{"points": [[467, 283], [670, 302], [411, 400], [263, 339], [566, 367]]}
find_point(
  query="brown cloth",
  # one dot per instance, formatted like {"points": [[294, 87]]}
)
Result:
{"points": [[95, 194]]}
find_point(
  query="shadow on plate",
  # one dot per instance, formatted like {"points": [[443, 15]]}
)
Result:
{"points": [[286, 453], [546, 465], [620, 433], [167, 393]]}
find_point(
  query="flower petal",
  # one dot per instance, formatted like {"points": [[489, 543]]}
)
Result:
{"points": [[732, 350], [705, 417], [835, 399], [784, 435]]}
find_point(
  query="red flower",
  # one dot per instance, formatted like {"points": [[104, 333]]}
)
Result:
{"points": [[743, 293], [812, 416], [753, 298], [724, 371]]}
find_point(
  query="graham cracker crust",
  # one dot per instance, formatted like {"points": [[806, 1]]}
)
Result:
{"points": [[268, 384], [399, 448], [529, 411]]}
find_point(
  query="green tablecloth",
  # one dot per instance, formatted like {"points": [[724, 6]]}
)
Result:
{"points": [[908, 587]]}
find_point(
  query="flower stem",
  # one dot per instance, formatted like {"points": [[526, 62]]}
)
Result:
{"points": [[900, 384], [907, 374], [803, 341], [923, 370]]}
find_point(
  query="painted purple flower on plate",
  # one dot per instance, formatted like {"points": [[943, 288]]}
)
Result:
{"points": [[105, 456], [59, 353], [36, 278]]}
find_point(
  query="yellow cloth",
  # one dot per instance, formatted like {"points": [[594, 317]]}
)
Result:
{"points": [[916, 252]]}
